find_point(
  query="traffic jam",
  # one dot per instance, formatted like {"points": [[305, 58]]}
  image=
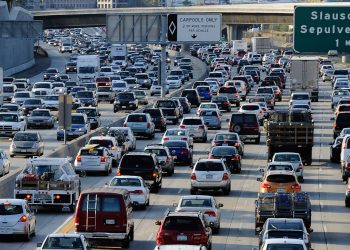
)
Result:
{"points": [[246, 98]]}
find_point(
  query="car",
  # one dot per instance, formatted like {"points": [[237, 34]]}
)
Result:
{"points": [[335, 149], [196, 127], [125, 100], [93, 158], [290, 228], [50, 72], [192, 96], [279, 181], [204, 93], [4, 163], [186, 105], [300, 98], [180, 151], [30, 104], [136, 186], [64, 241], [51, 102], [253, 108], [240, 86], [246, 126], [327, 75], [27, 143], [143, 80], [142, 164], [294, 159], [141, 96], [202, 203], [129, 135], [20, 219], [341, 120], [111, 144], [113, 204], [208, 105], [177, 134], [232, 94], [222, 102], [71, 67], [156, 88], [338, 95], [184, 228], [174, 82], [211, 118], [164, 157], [80, 126], [105, 93], [86, 98], [93, 114], [210, 174], [229, 154], [157, 118], [284, 243], [228, 139], [141, 124], [180, 247], [170, 109], [41, 118]]}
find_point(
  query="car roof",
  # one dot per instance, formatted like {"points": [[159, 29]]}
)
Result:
{"points": [[102, 137], [194, 197], [102, 190], [289, 153], [64, 235], [276, 172], [128, 177], [211, 160], [13, 201]]}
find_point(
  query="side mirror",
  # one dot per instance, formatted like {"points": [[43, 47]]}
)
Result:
{"points": [[220, 205], [174, 204], [157, 222], [258, 179]]}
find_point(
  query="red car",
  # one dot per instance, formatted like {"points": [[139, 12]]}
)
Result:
{"points": [[190, 228]]}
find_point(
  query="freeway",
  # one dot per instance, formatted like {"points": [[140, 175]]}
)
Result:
{"points": [[322, 182]]}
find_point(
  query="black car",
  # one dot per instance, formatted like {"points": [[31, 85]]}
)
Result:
{"points": [[223, 102], [335, 150], [231, 156], [186, 105], [30, 104], [50, 72], [144, 165], [158, 118], [241, 63], [71, 67], [69, 85], [192, 96], [246, 126], [92, 114], [125, 100], [342, 120], [228, 139]]}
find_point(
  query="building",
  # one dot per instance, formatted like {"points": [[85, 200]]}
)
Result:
{"points": [[61, 4]]}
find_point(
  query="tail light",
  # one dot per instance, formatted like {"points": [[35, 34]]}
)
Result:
{"points": [[184, 138], [265, 185], [165, 139], [154, 174], [300, 167], [136, 192], [201, 127], [210, 213], [236, 95], [183, 151], [236, 144], [103, 158], [125, 124], [118, 172], [211, 157], [235, 158], [225, 177], [200, 239], [76, 222], [168, 159], [78, 158], [28, 196], [334, 125], [226, 102], [57, 197], [296, 186], [182, 126], [148, 125], [160, 239], [23, 218], [193, 176], [347, 167]]}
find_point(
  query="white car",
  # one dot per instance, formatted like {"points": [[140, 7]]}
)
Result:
{"points": [[283, 243], [106, 71], [241, 87], [111, 144], [178, 134], [130, 138], [42, 87], [174, 82], [337, 95], [17, 218], [20, 96], [51, 102], [156, 88], [196, 127], [180, 247], [294, 159], [136, 186], [119, 86], [214, 86], [4, 163], [208, 105], [300, 98], [64, 241], [252, 108]]}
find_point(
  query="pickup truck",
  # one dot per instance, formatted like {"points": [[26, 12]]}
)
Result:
{"points": [[170, 110], [11, 123]]}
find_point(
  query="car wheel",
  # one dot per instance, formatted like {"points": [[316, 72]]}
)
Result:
{"points": [[106, 173], [131, 234], [227, 190], [205, 138], [114, 163], [12, 155]]}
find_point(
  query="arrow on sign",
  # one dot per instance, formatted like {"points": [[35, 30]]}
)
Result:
{"points": [[194, 36]]}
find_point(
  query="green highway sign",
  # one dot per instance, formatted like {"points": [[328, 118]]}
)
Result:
{"points": [[322, 28]]}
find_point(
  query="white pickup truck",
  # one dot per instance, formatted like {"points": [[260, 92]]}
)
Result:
{"points": [[11, 123]]}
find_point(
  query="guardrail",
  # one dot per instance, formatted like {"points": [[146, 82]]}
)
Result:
{"points": [[71, 149]]}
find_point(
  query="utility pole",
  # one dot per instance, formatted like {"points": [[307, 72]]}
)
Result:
{"points": [[162, 77]]}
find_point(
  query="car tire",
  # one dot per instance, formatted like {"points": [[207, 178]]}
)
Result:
{"points": [[257, 141], [347, 202], [193, 191], [209, 246], [205, 138], [12, 155], [237, 104], [126, 242], [28, 235], [106, 173]]}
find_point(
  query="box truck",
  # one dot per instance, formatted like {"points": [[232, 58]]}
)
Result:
{"points": [[88, 67], [261, 44]]}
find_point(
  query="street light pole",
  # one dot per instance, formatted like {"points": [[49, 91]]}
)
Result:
{"points": [[162, 77]]}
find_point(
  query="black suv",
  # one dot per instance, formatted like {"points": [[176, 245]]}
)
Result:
{"points": [[192, 96], [342, 120], [158, 118], [246, 126], [125, 100], [30, 104], [92, 114], [144, 165]]}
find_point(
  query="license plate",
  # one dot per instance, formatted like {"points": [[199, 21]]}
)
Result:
{"points": [[182, 237], [224, 144], [209, 176], [110, 222], [280, 190], [23, 150], [123, 107], [92, 120]]}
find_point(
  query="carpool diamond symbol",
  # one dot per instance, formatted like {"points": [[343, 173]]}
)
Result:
{"points": [[172, 28]]}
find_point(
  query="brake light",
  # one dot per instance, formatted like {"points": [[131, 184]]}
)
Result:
{"points": [[184, 138], [226, 102], [210, 213], [136, 192], [201, 127], [23, 218], [168, 159], [200, 239], [236, 95], [165, 139], [57, 197], [103, 158], [265, 185], [296, 186], [300, 167], [28, 196], [236, 144], [148, 125], [183, 151], [225, 177], [160, 239], [182, 126], [193, 176], [76, 223], [118, 172], [154, 174], [78, 158], [235, 158], [334, 125], [211, 157]]}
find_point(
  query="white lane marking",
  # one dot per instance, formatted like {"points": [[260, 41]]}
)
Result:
{"points": [[321, 204], [180, 191], [320, 186], [64, 223], [150, 237], [240, 226], [321, 169]]}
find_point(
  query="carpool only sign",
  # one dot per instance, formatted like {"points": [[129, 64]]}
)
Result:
{"points": [[320, 29]]}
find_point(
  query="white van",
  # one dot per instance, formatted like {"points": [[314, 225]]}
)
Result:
{"points": [[9, 91]]}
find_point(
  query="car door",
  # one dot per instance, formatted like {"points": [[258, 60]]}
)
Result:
{"points": [[30, 215]]}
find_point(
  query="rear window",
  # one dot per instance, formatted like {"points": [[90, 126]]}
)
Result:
{"points": [[209, 166], [93, 152], [288, 234], [280, 167], [227, 137], [192, 122], [246, 118], [224, 151], [136, 118], [208, 113], [175, 132], [153, 112], [9, 89], [343, 118], [340, 72], [280, 178], [250, 107], [282, 246], [196, 203], [166, 104], [287, 157], [137, 161], [102, 143], [203, 89], [344, 108], [227, 90], [158, 152], [125, 182], [174, 144], [182, 224], [285, 225], [63, 243], [265, 90], [106, 203], [9, 209]]}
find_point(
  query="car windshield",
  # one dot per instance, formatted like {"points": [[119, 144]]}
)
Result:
{"points": [[287, 157], [137, 118], [119, 85], [42, 86], [208, 113], [158, 152], [227, 90], [78, 119], [280, 178], [221, 151], [166, 104], [12, 108], [193, 121], [300, 97], [25, 137], [85, 94], [8, 118], [209, 166], [250, 107], [40, 113], [182, 223], [196, 203], [143, 77], [22, 95], [7, 208], [91, 152], [87, 70], [89, 112], [125, 182], [32, 102], [63, 243], [138, 161], [51, 98], [226, 137], [176, 132], [104, 89]]}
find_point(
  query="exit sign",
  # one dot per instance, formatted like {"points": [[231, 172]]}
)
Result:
{"points": [[322, 28]]}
